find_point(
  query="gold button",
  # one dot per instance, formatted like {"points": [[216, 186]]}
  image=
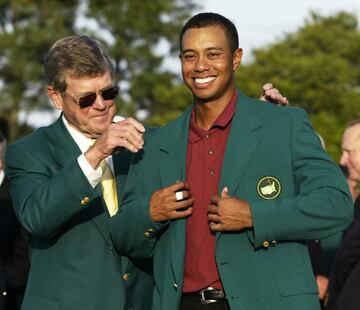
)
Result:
{"points": [[151, 230], [125, 276], [85, 201], [175, 284], [146, 234], [266, 244], [4, 293], [273, 243]]}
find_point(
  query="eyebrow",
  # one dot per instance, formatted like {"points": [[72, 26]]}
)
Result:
{"points": [[221, 49], [92, 92]]}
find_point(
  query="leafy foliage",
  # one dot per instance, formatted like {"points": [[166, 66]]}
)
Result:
{"points": [[130, 29], [318, 69], [27, 30]]}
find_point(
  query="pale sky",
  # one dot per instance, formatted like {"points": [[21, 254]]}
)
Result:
{"points": [[259, 22]]}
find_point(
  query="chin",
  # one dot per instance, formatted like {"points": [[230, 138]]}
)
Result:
{"points": [[202, 98]]}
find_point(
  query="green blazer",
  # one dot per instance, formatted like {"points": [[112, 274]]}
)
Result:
{"points": [[264, 268], [73, 262]]}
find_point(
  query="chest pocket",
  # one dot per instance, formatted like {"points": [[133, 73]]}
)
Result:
{"points": [[269, 181]]}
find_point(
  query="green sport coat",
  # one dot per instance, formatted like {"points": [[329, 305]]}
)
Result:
{"points": [[73, 262], [263, 268]]}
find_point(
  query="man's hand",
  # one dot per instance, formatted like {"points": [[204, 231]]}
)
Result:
{"points": [[166, 204], [227, 213], [271, 94], [322, 283], [127, 133]]}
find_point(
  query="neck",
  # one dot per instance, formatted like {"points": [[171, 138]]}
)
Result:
{"points": [[206, 112]]}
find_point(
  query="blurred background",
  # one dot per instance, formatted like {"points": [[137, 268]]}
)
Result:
{"points": [[310, 50]]}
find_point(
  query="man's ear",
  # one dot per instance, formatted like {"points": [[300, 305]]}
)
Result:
{"points": [[55, 97], [237, 58]]}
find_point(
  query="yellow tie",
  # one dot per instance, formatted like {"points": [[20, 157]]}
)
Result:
{"points": [[108, 187]]}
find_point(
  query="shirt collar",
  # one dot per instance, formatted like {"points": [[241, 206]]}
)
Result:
{"points": [[80, 139], [221, 122]]}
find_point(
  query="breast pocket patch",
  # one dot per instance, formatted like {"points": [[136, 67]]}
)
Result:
{"points": [[268, 187]]}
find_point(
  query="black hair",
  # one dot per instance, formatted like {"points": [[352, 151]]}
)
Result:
{"points": [[202, 20]]}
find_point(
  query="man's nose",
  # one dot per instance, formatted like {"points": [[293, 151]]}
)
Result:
{"points": [[99, 102], [202, 64], [344, 159]]}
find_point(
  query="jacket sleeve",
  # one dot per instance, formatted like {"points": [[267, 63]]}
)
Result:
{"points": [[132, 230], [322, 205], [45, 196]]}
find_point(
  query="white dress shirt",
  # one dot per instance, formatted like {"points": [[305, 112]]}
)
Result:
{"points": [[92, 175]]}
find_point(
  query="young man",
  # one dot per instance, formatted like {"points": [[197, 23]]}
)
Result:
{"points": [[224, 196], [60, 191]]}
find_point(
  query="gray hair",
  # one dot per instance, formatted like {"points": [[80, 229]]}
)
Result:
{"points": [[75, 56]]}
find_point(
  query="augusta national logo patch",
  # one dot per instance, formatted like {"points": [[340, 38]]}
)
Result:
{"points": [[268, 187]]}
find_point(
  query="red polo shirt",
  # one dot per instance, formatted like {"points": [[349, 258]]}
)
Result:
{"points": [[205, 154]]}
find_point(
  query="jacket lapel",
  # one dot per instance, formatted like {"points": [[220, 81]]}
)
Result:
{"points": [[174, 145], [241, 144], [66, 151], [65, 148]]}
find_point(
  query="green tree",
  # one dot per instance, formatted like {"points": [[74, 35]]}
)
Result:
{"points": [[27, 30], [318, 69], [130, 29]]}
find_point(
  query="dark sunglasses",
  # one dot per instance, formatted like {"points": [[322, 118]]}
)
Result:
{"points": [[88, 100]]}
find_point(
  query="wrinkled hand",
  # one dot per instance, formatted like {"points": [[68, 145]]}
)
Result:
{"points": [[271, 94], [164, 206], [127, 133], [227, 213]]}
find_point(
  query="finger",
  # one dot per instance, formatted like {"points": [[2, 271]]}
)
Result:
{"points": [[273, 93], [215, 227], [126, 138], [182, 205], [127, 130], [213, 209], [267, 86], [281, 100], [213, 218], [215, 199], [177, 186], [182, 195], [225, 192], [137, 125], [181, 214], [285, 101], [122, 142]]}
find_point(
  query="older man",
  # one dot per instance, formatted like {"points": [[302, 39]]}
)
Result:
{"points": [[64, 189], [344, 283], [351, 159]]}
